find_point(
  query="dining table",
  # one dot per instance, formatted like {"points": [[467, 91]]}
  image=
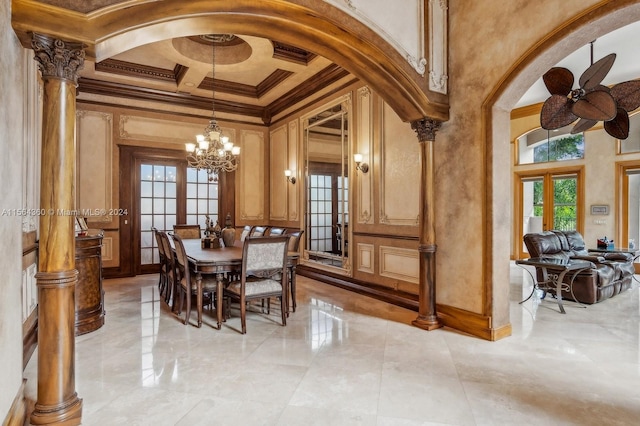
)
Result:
{"points": [[221, 262]]}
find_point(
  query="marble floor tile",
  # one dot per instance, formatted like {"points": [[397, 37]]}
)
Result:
{"points": [[346, 359]]}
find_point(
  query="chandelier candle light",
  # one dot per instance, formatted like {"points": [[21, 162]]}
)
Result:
{"points": [[213, 151]]}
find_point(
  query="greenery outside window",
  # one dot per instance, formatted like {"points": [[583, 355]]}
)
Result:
{"points": [[540, 146]]}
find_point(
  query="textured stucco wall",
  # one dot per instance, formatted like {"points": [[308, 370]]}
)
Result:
{"points": [[472, 226], [11, 136]]}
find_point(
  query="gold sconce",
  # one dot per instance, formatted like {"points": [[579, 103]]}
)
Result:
{"points": [[289, 174], [363, 167]]}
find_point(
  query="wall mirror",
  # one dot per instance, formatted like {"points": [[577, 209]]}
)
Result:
{"points": [[327, 234]]}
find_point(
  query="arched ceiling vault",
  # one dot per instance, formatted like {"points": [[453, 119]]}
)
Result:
{"points": [[312, 25]]}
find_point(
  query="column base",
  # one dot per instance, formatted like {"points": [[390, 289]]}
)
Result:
{"points": [[70, 414], [427, 323]]}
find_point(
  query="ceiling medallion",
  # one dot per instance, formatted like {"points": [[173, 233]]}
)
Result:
{"points": [[217, 38]]}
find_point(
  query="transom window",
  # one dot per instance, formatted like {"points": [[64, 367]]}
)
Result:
{"points": [[543, 146]]}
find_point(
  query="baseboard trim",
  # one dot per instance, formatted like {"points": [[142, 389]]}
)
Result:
{"points": [[465, 321], [471, 323], [17, 415], [403, 299]]}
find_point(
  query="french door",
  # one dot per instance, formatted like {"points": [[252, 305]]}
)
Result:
{"points": [[549, 200], [158, 189], [629, 173]]}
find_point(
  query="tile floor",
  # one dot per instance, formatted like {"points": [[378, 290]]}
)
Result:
{"points": [[345, 359]]}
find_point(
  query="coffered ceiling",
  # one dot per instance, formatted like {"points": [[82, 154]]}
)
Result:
{"points": [[256, 79]]}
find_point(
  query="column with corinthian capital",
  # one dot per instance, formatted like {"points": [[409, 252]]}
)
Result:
{"points": [[58, 402], [427, 317]]}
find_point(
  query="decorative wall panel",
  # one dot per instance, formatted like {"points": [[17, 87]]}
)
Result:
{"points": [[292, 154], [400, 171], [363, 145], [278, 162], [403, 27], [366, 262], [110, 249], [157, 130], [252, 176], [438, 45], [399, 263], [29, 291], [94, 165]]}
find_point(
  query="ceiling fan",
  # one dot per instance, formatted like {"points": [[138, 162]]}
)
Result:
{"points": [[591, 101]]}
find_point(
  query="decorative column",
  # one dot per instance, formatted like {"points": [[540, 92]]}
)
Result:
{"points": [[58, 402], [427, 317]]}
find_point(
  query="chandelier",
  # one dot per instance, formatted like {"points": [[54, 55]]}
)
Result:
{"points": [[213, 151]]}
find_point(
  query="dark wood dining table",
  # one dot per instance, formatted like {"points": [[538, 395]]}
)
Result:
{"points": [[221, 262]]}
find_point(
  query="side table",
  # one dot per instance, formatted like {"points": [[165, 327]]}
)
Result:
{"points": [[555, 280]]}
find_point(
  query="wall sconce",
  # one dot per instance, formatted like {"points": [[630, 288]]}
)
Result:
{"points": [[289, 174], [363, 167]]}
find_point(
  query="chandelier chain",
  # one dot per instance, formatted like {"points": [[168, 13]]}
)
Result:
{"points": [[213, 151]]}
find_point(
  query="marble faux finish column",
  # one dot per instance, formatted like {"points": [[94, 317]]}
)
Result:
{"points": [[58, 402], [427, 317]]}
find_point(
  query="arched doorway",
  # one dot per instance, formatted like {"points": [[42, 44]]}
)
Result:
{"points": [[319, 28], [496, 112]]}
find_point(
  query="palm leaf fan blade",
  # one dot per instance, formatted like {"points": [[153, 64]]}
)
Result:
{"points": [[583, 125], [556, 112], [558, 80], [594, 75], [627, 95], [598, 105], [619, 126]]}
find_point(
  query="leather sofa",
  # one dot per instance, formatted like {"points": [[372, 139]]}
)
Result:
{"points": [[612, 272]]}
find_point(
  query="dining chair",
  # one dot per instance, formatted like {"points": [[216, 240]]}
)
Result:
{"points": [[263, 274], [187, 284], [276, 231], [259, 231], [246, 231], [187, 231], [170, 268], [162, 279], [294, 245]]}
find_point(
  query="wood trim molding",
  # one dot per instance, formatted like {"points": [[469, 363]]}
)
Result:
{"points": [[29, 337], [115, 66], [526, 111], [111, 89], [323, 29], [324, 78], [291, 53], [468, 322], [17, 415], [398, 298]]}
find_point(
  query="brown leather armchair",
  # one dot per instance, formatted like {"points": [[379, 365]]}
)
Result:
{"points": [[612, 274]]}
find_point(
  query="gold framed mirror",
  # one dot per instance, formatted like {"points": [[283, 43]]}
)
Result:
{"points": [[326, 160]]}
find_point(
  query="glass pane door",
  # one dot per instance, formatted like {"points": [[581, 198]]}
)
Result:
{"points": [[532, 205], [320, 216], [202, 198], [548, 201], [632, 199], [158, 206], [565, 203]]}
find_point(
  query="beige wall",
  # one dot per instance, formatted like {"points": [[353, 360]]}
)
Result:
{"points": [[384, 201], [11, 142], [102, 129], [473, 183]]}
